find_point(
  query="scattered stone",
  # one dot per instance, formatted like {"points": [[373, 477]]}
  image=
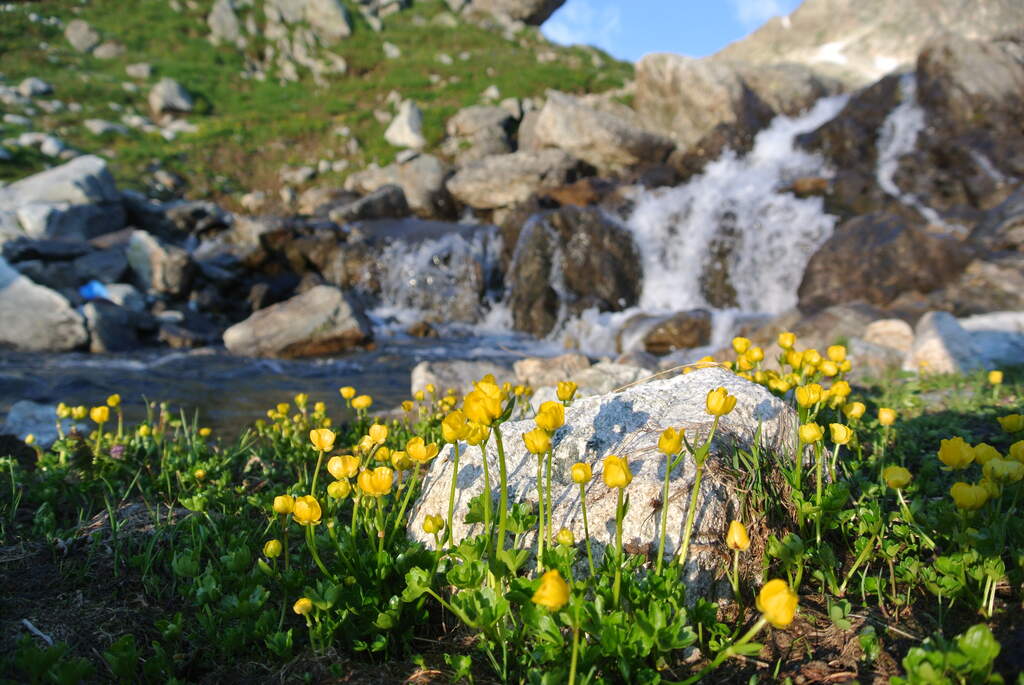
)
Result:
{"points": [[158, 266], [81, 36], [169, 96], [32, 87], [422, 180], [323, 320], [111, 49], [391, 51], [111, 328], [661, 335], [35, 318], [422, 329], [477, 132], [941, 345], [491, 93], [386, 201], [458, 374], [101, 127], [254, 201], [406, 130], [125, 295], [224, 24], [998, 337], [329, 20], [297, 175], [507, 180], [895, 334], [540, 371], [139, 70]]}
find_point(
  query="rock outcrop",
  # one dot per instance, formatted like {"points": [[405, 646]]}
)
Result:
{"points": [[36, 318]]}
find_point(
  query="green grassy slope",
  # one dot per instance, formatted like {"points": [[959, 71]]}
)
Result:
{"points": [[250, 129]]}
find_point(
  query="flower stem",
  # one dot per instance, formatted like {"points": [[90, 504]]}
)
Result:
{"points": [[316, 472], [311, 541], [586, 529], [575, 654], [448, 535], [487, 495], [729, 651], [618, 550], [547, 487], [540, 513], [664, 515], [684, 549], [503, 501], [817, 497]]}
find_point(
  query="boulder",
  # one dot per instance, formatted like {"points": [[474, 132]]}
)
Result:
{"points": [[159, 267], [628, 424], [1002, 227], [422, 179], [81, 36], [661, 335], [111, 328], [534, 12], [386, 201], [329, 20], [506, 180], [477, 132], [549, 371], [876, 257], [406, 129], [895, 334], [567, 261], [39, 419], [997, 337], [169, 96], [605, 140], [35, 318], [458, 374], [223, 23], [322, 321], [986, 285], [941, 345]]}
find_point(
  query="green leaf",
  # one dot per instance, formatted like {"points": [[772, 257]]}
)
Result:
{"points": [[979, 645], [417, 581]]}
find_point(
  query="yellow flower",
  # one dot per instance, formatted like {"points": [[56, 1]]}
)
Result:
{"points": [[30, 439], [432, 523], [114, 400], [322, 439], [836, 353], [272, 549], [720, 402], [400, 460], [205, 432], [377, 482], [454, 427], [199, 474], [992, 488], [810, 433], [841, 434], [477, 434], [537, 441], [1003, 471], [616, 472], [968, 497], [854, 410], [419, 451], [808, 395], [481, 407], [755, 354], [828, 368], [778, 385], [345, 466], [551, 416], [741, 345], [99, 414], [565, 538], [886, 416], [63, 411], [430, 388], [812, 357], [1017, 450], [348, 392], [777, 602], [553, 593], [418, 395], [362, 402], [307, 511], [744, 364], [995, 377], [382, 454], [319, 408], [303, 607], [1012, 423], [896, 477], [581, 473], [787, 340], [282, 408], [671, 441], [566, 390], [378, 433], [339, 489], [737, 537], [839, 389], [407, 405], [144, 430], [78, 413], [955, 453], [984, 453], [845, 366]]}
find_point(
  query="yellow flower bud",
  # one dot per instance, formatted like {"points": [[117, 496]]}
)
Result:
{"points": [[581, 473], [886, 416], [737, 537], [812, 357], [407, 405], [430, 388], [307, 511], [671, 441], [376, 483], [362, 402], [810, 433], [432, 523], [566, 390], [99, 414], [63, 411], [787, 340], [968, 497], [1012, 423], [1017, 450], [755, 354], [339, 489], [144, 430], [481, 407], [454, 427], [995, 377], [896, 477], [616, 472], [840, 434], [205, 432], [828, 368], [809, 395], [854, 410], [348, 392], [378, 433], [322, 439], [303, 607], [795, 359], [345, 466], [78, 413], [777, 602], [551, 416], [272, 549], [840, 389], [553, 593], [114, 400], [565, 538], [955, 453], [537, 441], [741, 345], [720, 402], [30, 439], [984, 453], [418, 395], [199, 474], [836, 353], [1003, 471]]}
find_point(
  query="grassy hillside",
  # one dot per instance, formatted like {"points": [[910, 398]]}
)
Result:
{"points": [[249, 129]]}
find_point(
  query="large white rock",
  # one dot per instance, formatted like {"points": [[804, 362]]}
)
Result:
{"points": [[406, 129], [35, 318], [506, 180], [628, 424], [998, 337], [941, 345], [323, 320]]}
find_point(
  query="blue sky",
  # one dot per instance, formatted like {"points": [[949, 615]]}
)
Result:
{"points": [[628, 29]]}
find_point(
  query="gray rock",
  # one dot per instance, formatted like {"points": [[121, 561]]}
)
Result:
{"points": [[223, 23], [111, 328], [628, 424], [549, 371], [406, 130], [139, 70], [32, 86], [26, 417], [297, 175], [125, 295], [606, 140], [170, 96], [391, 51], [52, 146], [386, 201], [110, 49], [941, 345], [895, 334], [506, 180], [81, 36], [606, 377], [101, 127], [458, 374], [105, 266], [661, 335], [329, 20], [477, 132], [323, 320], [998, 337], [16, 120], [35, 318], [159, 267], [422, 180]]}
